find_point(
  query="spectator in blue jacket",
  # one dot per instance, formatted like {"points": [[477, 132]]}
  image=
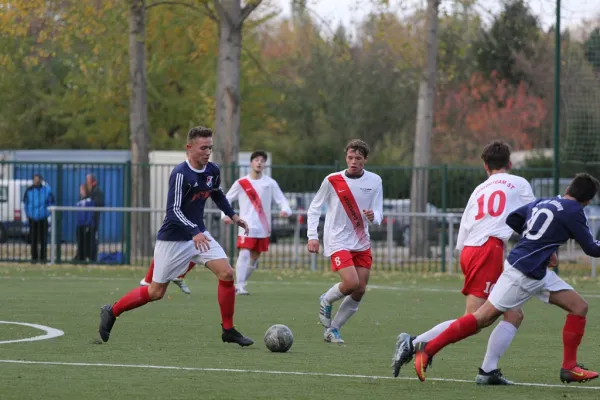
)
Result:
{"points": [[37, 198], [86, 223]]}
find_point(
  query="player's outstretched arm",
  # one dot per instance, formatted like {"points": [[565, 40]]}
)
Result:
{"points": [[580, 231], [232, 195], [220, 200], [174, 213], [466, 220], [314, 211], [377, 206], [281, 200], [516, 219]]}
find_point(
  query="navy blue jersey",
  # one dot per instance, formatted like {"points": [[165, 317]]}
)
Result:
{"points": [[189, 189], [546, 224]]}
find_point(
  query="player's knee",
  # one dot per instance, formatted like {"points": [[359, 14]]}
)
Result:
{"points": [[359, 293], [514, 317], [349, 286], [225, 274], [156, 293], [581, 308]]}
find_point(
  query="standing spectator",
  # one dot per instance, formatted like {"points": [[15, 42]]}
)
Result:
{"points": [[85, 226], [97, 196], [37, 198]]}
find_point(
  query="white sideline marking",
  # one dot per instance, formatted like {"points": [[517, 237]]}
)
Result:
{"points": [[50, 332], [266, 372], [297, 282]]}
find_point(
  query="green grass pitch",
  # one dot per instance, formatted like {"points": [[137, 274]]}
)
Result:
{"points": [[172, 349]]}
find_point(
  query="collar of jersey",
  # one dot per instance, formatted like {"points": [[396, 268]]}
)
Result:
{"points": [[194, 169]]}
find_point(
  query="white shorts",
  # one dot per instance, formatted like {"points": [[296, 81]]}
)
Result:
{"points": [[513, 288], [171, 259]]}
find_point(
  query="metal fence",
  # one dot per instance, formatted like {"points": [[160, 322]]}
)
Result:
{"points": [[120, 235], [288, 245]]}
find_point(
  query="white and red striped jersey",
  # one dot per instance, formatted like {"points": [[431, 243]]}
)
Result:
{"points": [[255, 197], [346, 227], [488, 207]]}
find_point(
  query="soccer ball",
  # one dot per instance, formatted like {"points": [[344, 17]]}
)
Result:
{"points": [[279, 338]]}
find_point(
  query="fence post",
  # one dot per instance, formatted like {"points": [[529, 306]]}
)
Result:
{"points": [[296, 239], [444, 193], [127, 201], [594, 258], [58, 221], [52, 236], [451, 245], [233, 229]]}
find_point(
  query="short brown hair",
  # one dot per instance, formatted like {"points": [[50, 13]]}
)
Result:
{"points": [[496, 155], [358, 146], [259, 153], [583, 187], [199, 131]]}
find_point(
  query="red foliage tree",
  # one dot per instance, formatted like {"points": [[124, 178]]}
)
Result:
{"points": [[481, 110]]}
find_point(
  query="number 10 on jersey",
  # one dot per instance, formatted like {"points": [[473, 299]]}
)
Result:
{"points": [[494, 207]]}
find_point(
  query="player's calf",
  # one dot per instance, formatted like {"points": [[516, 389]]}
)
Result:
{"points": [[156, 291]]}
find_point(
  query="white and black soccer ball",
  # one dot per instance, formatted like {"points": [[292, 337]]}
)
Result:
{"points": [[279, 338]]}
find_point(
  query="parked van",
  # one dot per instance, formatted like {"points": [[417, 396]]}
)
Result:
{"points": [[13, 221]]}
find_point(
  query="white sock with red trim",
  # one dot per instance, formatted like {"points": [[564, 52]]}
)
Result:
{"points": [[241, 268]]}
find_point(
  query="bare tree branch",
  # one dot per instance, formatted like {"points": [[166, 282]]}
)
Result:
{"points": [[223, 14], [173, 3], [247, 10], [206, 12], [210, 12]]}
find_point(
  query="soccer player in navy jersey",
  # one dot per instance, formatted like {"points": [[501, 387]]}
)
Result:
{"points": [[183, 238], [545, 225]]}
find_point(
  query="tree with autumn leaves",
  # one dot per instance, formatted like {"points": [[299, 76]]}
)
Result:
{"points": [[483, 109], [304, 87]]}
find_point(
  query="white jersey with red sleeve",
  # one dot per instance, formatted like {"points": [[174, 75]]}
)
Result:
{"points": [[488, 207], [255, 197], [346, 226]]}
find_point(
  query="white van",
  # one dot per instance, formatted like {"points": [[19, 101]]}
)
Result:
{"points": [[13, 221]]}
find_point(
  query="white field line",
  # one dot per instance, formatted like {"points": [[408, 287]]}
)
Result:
{"points": [[267, 372], [291, 283], [50, 332]]}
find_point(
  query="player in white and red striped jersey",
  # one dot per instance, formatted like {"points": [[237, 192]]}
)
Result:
{"points": [[254, 194], [354, 198], [481, 239]]}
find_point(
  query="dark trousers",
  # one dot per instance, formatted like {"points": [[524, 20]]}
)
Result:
{"points": [[85, 243], [38, 230]]}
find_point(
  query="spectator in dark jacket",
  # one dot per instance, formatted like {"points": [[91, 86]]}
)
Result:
{"points": [[37, 198], [97, 196], [85, 226]]}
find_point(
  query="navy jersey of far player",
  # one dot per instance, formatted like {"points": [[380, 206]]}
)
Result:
{"points": [[189, 188], [546, 224]]}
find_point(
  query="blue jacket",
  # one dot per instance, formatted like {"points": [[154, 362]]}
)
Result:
{"points": [[85, 218], [37, 200]]}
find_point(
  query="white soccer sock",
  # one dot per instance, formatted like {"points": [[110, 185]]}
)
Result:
{"points": [[347, 309], [433, 332], [251, 268], [333, 294], [499, 340], [241, 267]]}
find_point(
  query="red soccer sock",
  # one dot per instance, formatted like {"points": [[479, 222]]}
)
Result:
{"points": [[572, 334], [226, 295], [460, 329], [192, 265], [148, 278], [134, 299]]}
